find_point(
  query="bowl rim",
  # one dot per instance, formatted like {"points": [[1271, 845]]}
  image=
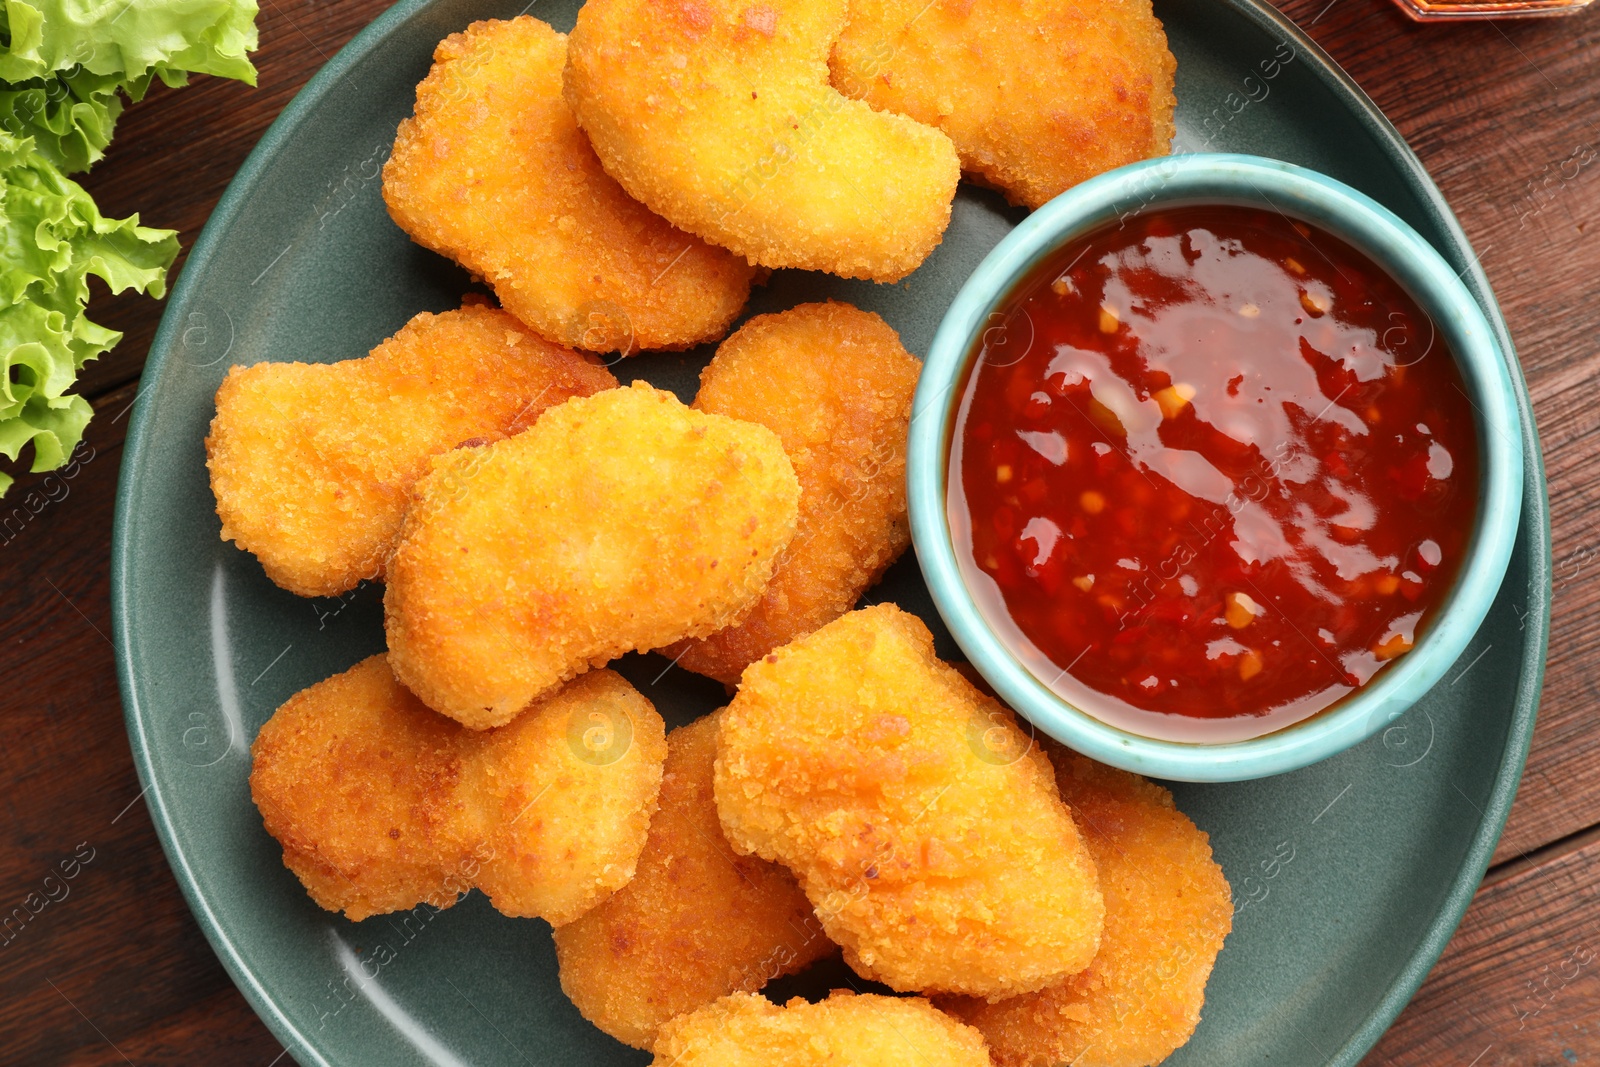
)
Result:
{"points": [[1393, 245]]}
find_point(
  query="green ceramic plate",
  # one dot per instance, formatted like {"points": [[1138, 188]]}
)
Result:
{"points": [[1350, 875]]}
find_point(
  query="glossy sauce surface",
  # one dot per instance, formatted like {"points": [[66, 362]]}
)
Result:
{"points": [[1211, 471]]}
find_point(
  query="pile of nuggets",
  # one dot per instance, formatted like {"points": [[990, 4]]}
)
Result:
{"points": [[532, 520]]}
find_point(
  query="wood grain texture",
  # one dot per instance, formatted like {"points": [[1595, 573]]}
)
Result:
{"points": [[108, 949], [218, 1029], [116, 971], [1520, 983]]}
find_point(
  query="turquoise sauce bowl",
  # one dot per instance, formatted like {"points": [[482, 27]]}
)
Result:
{"points": [[1392, 245]]}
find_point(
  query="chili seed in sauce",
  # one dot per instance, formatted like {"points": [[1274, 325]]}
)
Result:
{"points": [[1222, 476]]}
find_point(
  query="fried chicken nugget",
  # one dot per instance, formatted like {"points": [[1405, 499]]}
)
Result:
{"points": [[924, 828], [744, 1030], [696, 923], [718, 115], [380, 804], [1037, 94], [494, 173], [312, 464], [835, 384], [1168, 908], [620, 521]]}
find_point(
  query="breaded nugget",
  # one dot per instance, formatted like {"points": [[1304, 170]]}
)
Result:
{"points": [[620, 521], [494, 173], [380, 804], [835, 384], [924, 827], [718, 115], [312, 463], [1168, 909], [697, 922], [868, 1030], [1037, 94]]}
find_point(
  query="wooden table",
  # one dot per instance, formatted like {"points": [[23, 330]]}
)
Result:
{"points": [[1504, 117]]}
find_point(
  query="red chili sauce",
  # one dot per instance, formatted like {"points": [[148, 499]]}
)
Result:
{"points": [[1211, 471]]}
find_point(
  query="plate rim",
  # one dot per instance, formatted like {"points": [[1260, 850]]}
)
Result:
{"points": [[1536, 520]]}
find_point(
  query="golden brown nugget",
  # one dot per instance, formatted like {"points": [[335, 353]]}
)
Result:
{"points": [[620, 521], [868, 1030], [312, 463], [718, 115], [697, 922], [1037, 94], [835, 384], [494, 173], [380, 804], [1168, 908], [925, 829]]}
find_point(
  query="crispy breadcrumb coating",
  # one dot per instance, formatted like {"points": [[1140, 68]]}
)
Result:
{"points": [[494, 173], [620, 521], [718, 115], [924, 827], [1168, 908], [312, 463], [835, 384], [744, 1030], [1036, 94], [381, 804], [697, 922]]}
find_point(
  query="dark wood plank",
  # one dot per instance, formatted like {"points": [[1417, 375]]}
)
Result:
{"points": [[221, 1027], [1519, 985], [99, 941]]}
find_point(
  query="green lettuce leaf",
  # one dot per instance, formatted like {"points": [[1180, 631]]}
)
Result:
{"points": [[128, 39], [69, 116], [52, 238], [67, 68], [66, 65]]}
